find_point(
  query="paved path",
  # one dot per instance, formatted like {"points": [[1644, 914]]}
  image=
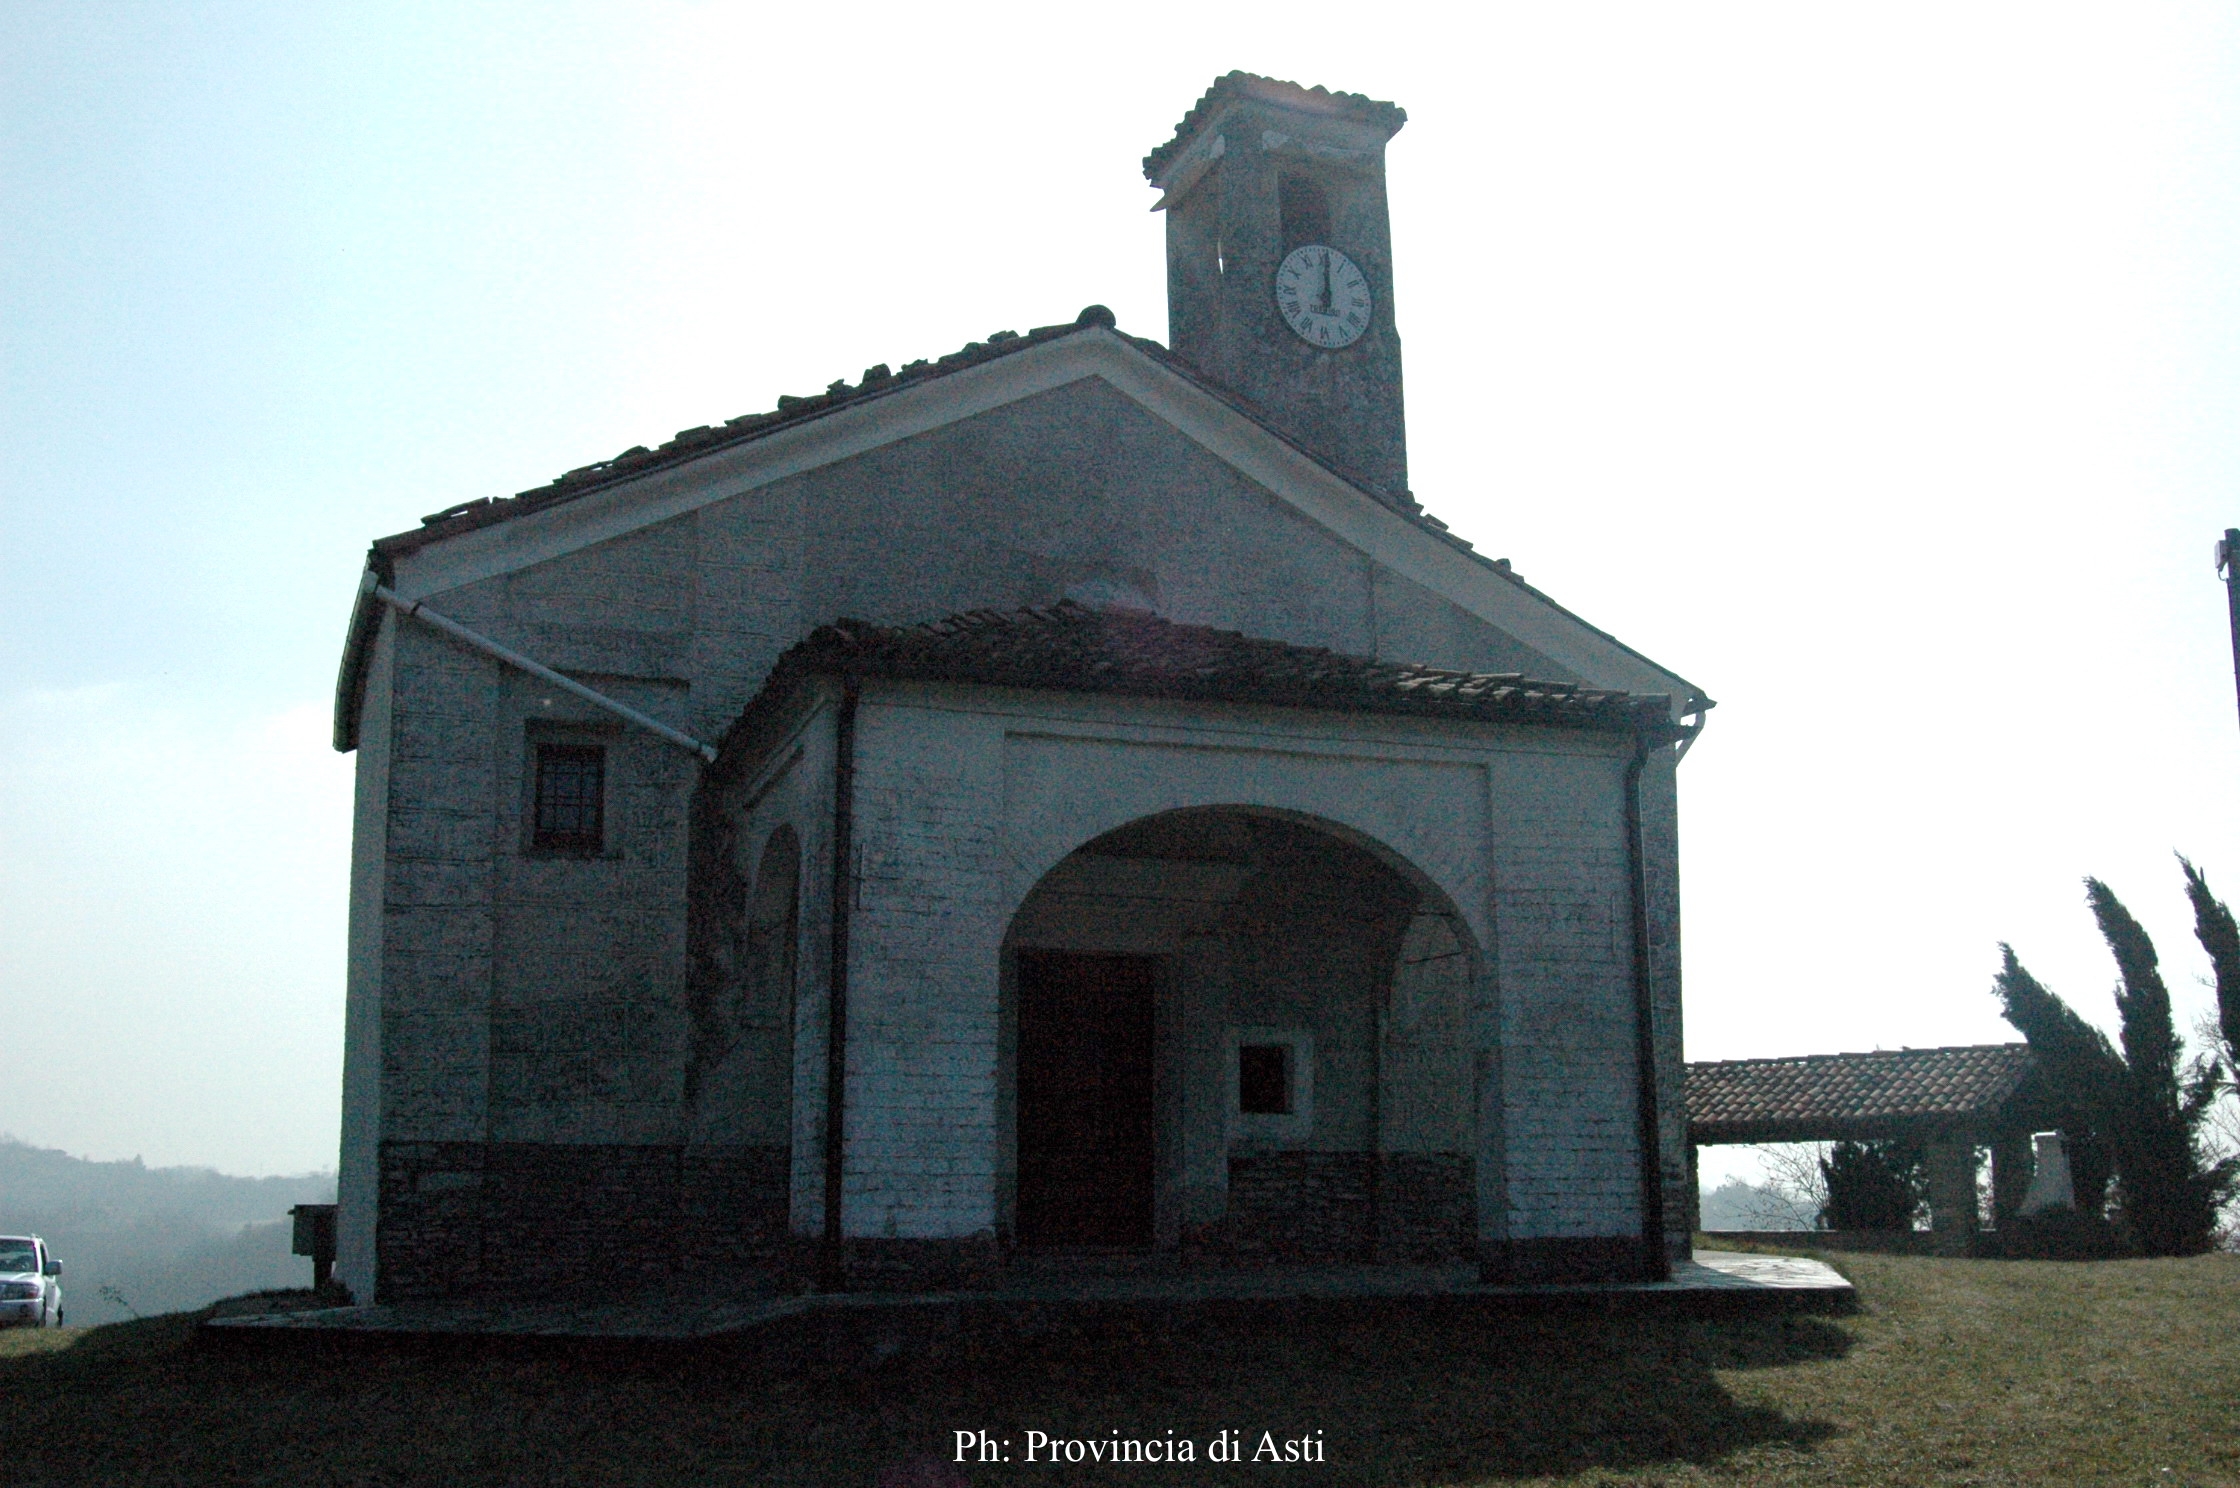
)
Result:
{"points": [[1722, 1277]]}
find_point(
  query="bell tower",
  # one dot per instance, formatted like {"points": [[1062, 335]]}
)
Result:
{"points": [[1279, 265]]}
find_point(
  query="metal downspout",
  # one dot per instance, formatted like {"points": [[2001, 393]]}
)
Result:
{"points": [[832, 1260], [541, 672], [1655, 1264]]}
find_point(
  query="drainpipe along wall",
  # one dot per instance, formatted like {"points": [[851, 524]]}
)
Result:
{"points": [[1655, 1264], [832, 1266], [416, 610]]}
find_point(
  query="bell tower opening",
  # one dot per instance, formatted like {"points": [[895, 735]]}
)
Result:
{"points": [[1279, 266], [1305, 210]]}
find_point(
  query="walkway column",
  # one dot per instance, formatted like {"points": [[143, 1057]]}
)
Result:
{"points": [[1695, 1192], [2010, 1176], [1952, 1193]]}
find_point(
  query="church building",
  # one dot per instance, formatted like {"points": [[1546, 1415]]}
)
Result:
{"points": [[1066, 800]]}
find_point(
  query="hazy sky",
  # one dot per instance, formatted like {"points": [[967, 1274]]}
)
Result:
{"points": [[1874, 367]]}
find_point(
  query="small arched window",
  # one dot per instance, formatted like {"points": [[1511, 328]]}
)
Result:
{"points": [[773, 926]]}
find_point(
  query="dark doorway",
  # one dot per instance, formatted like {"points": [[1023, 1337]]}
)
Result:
{"points": [[1084, 1099]]}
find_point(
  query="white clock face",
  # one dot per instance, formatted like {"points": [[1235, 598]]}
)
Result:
{"points": [[1323, 295]]}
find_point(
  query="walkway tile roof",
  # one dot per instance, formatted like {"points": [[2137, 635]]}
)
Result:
{"points": [[1836, 1097], [1071, 647], [1386, 116]]}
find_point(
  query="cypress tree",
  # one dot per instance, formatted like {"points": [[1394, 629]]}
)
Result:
{"points": [[2080, 1067], [2169, 1194], [2138, 1101], [1873, 1185], [2220, 937]]}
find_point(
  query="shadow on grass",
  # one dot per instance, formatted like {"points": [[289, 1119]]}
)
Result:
{"points": [[1390, 1398]]}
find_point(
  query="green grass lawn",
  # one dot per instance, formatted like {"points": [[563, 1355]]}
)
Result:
{"points": [[1955, 1372]]}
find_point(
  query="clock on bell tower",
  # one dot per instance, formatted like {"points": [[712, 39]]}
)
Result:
{"points": [[1279, 265]]}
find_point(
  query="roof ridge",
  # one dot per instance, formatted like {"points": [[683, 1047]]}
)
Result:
{"points": [[878, 381], [1864, 1054]]}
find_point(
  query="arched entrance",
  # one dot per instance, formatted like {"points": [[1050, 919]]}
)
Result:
{"points": [[739, 1077], [1244, 1032]]}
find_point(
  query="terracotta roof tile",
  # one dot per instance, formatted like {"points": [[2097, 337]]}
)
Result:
{"points": [[1828, 1097], [690, 443], [1071, 647], [1386, 116]]}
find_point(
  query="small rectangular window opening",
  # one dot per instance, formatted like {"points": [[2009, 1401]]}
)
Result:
{"points": [[571, 798], [1305, 210], [1264, 1079]]}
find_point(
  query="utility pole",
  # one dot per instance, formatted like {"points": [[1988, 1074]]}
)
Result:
{"points": [[2228, 564]]}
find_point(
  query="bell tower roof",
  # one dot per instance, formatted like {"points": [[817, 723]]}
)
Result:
{"points": [[1242, 87]]}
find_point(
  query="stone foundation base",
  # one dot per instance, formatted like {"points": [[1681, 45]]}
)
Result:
{"points": [[969, 1263], [1427, 1207], [1586, 1258], [463, 1219], [1343, 1206]]}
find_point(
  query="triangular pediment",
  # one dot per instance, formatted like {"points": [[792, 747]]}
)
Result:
{"points": [[490, 539]]}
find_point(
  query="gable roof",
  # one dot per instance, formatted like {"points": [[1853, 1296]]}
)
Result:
{"points": [[878, 381], [1854, 1097], [1070, 647], [640, 486]]}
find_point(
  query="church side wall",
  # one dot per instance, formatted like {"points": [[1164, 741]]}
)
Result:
{"points": [[359, 1177], [439, 922], [561, 1058], [1567, 1028], [585, 1020]]}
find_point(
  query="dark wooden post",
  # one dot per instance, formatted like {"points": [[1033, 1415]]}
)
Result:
{"points": [[2228, 564]]}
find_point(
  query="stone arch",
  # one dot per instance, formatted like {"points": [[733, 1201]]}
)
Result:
{"points": [[773, 960], [1262, 939], [744, 954], [1428, 820]]}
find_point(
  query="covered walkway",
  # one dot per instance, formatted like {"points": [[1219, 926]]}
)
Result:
{"points": [[1952, 1101]]}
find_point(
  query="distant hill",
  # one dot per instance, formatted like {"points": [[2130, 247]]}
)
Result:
{"points": [[166, 1239]]}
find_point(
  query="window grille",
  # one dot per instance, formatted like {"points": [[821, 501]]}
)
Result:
{"points": [[571, 798]]}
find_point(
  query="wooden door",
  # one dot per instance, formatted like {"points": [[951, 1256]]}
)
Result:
{"points": [[1085, 1124]]}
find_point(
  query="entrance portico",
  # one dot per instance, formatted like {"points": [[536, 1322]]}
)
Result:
{"points": [[1157, 937]]}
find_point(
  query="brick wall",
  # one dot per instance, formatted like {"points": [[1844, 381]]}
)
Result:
{"points": [[1567, 1007], [1427, 1206], [1326, 1206], [530, 1218]]}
